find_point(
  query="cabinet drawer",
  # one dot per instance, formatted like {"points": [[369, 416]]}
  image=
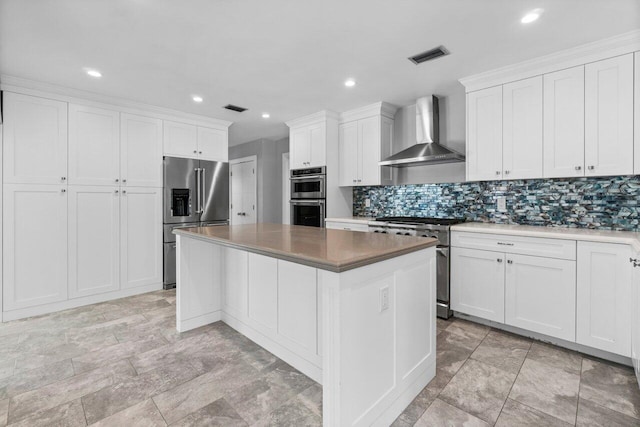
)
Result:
{"points": [[551, 248], [349, 226]]}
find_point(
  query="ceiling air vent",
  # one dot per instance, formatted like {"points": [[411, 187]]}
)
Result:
{"points": [[234, 108], [429, 55]]}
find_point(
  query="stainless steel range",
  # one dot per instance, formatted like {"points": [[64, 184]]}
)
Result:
{"points": [[437, 228]]}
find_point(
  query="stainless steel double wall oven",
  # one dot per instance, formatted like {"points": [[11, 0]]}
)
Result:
{"points": [[308, 196], [196, 193]]}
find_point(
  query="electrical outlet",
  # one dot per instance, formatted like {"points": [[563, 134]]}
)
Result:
{"points": [[384, 299], [502, 204], [367, 203]]}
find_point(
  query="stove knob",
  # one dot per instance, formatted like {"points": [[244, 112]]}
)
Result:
{"points": [[407, 234], [376, 231], [383, 232]]}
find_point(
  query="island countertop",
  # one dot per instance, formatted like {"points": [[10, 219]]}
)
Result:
{"points": [[332, 250]]}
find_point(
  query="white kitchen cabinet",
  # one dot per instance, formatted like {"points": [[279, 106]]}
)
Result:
{"points": [[263, 292], [564, 123], [348, 226], [522, 129], [635, 321], [609, 116], [478, 283], [94, 240], [540, 295], [180, 139], [34, 245], [636, 109], [307, 146], [34, 140], [94, 146], [140, 236], [604, 297], [348, 147], [484, 134], [213, 144], [140, 151]]}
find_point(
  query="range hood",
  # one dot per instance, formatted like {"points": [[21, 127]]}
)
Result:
{"points": [[427, 150]]}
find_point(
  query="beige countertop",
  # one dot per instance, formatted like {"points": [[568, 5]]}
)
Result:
{"points": [[332, 250], [583, 234], [352, 219]]}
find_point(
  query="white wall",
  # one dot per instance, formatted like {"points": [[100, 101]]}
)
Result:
{"points": [[452, 135]]}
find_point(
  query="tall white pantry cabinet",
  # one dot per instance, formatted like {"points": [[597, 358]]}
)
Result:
{"points": [[82, 202]]}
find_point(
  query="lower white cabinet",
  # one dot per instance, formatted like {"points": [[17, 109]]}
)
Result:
{"points": [[34, 245], [348, 226], [477, 283], [635, 320], [94, 240], [140, 237], [604, 297], [540, 295]]}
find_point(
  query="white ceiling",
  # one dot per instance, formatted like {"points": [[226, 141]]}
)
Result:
{"points": [[286, 57]]}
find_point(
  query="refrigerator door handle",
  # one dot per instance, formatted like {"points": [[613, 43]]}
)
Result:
{"points": [[198, 192], [203, 189]]}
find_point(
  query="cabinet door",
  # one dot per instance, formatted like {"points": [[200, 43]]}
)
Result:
{"points": [[34, 140], [140, 236], [140, 151], [522, 129], [180, 140], [300, 148], [263, 292], [317, 145], [94, 146], [484, 134], [563, 123], [369, 151], [609, 116], [541, 295], [94, 240], [34, 245], [348, 147], [635, 324], [477, 283], [604, 297], [636, 109], [213, 144]]}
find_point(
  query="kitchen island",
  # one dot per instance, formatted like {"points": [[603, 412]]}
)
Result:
{"points": [[354, 311]]}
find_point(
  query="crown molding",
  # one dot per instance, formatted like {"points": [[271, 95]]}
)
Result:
{"points": [[312, 119], [378, 109], [602, 49], [77, 96]]}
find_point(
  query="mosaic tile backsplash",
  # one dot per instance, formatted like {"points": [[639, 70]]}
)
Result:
{"points": [[611, 203]]}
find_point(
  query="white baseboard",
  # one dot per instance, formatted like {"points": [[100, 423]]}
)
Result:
{"points": [[196, 322], [77, 302], [552, 340]]}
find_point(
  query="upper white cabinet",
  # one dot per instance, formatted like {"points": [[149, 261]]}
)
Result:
{"points": [[94, 145], [34, 245], [604, 297], [609, 116], [564, 123], [307, 146], [522, 129], [34, 140], [140, 151], [636, 109], [184, 140], [484, 134], [366, 138]]}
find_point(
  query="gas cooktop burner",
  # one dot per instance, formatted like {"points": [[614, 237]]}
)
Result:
{"points": [[420, 220]]}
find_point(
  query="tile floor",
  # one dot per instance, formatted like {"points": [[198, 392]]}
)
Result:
{"points": [[122, 363]]}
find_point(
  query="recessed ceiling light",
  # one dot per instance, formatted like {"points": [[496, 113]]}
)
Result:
{"points": [[94, 73], [531, 16], [265, 115], [197, 98], [350, 83]]}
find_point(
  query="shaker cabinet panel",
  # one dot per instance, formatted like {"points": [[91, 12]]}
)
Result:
{"points": [[636, 110], [94, 146], [213, 144], [94, 240], [140, 151], [609, 116], [484, 134], [564, 123], [300, 142], [604, 297], [369, 140], [34, 140], [522, 129], [34, 245], [180, 139], [348, 153]]}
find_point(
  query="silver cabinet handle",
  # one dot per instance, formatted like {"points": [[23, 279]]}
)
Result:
{"points": [[124, 181], [354, 180], [509, 261], [591, 167], [117, 191], [63, 191], [124, 191], [199, 152], [497, 172], [64, 178], [117, 180], [505, 244], [499, 260], [195, 151], [635, 262], [359, 180], [507, 172], [578, 168]]}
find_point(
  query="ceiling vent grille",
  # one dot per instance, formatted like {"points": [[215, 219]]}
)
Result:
{"points": [[429, 55], [234, 108]]}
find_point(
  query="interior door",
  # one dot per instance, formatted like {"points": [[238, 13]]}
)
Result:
{"points": [[243, 193]]}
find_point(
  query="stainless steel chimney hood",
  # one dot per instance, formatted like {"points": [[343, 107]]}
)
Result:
{"points": [[427, 150]]}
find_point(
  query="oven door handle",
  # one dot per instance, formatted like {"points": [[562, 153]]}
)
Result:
{"points": [[307, 202], [443, 252], [296, 178]]}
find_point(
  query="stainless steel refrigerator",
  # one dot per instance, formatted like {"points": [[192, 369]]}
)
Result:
{"points": [[196, 193]]}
